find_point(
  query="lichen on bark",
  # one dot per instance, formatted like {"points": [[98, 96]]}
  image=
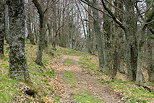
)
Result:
{"points": [[17, 59]]}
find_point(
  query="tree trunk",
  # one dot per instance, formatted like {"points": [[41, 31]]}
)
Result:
{"points": [[89, 36], [2, 21], [99, 38], [150, 58], [7, 24], [139, 75], [119, 37], [30, 34], [41, 43], [131, 38], [150, 52], [108, 48], [18, 65]]}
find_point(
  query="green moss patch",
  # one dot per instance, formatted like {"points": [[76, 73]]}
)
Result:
{"points": [[84, 96], [65, 51], [7, 89], [68, 62], [131, 92]]}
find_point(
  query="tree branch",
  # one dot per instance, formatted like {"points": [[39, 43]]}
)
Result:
{"points": [[152, 31], [39, 8], [113, 16], [114, 6], [90, 4], [149, 18]]}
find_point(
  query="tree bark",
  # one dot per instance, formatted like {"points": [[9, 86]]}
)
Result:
{"points": [[140, 46], [2, 21], [150, 62], [18, 65], [131, 38], [30, 34], [99, 38], [41, 43], [119, 36], [150, 59], [139, 75], [108, 48], [7, 24]]}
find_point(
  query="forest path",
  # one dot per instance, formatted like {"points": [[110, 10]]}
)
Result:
{"points": [[79, 86]]}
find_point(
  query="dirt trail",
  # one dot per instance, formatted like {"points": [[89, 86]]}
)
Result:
{"points": [[82, 81]]}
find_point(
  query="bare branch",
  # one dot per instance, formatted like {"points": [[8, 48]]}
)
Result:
{"points": [[149, 18], [38, 6], [113, 16], [114, 6], [90, 4]]}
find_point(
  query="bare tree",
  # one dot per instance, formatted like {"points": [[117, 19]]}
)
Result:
{"points": [[2, 21], [18, 65], [41, 43]]}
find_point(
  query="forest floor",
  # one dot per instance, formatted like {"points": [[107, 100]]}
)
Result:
{"points": [[69, 76], [81, 86]]}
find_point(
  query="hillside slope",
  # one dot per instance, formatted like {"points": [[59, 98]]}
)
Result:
{"points": [[69, 76]]}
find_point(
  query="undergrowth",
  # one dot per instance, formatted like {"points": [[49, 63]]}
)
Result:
{"points": [[84, 96], [68, 77], [40, 77], [7, 86], [131, 92], [7, 89], [65, 51], [89, 65], [68, 62]]}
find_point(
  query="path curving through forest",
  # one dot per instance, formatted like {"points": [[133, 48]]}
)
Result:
{"points": [[75, 81]]}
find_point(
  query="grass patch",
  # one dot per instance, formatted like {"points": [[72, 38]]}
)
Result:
{"points": [[7, 89], [68, 62], [7, 86], [40, 76], [57, 99], [84, 97], [140, 101], [68, 75], [130, 91], [50, 73], [65, 51], [69, 78], [89, 65]]}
